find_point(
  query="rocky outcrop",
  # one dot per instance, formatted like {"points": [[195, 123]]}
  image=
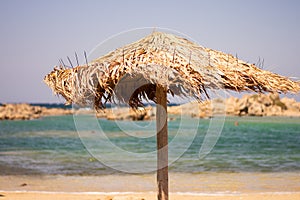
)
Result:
{"points": [[265, 105], [55, 111], [248, 105], [146, 113], [292, 107], [26, 112]]}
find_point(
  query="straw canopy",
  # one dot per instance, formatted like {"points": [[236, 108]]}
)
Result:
{"points": [[183, 67]]}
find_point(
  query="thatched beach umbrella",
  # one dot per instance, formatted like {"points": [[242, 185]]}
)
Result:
{"points": [[167, 64]]}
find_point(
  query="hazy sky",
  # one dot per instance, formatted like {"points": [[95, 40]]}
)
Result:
{"points": [[35, 34]]}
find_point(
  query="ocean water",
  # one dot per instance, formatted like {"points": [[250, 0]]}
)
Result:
{"points": [[84, 145]]}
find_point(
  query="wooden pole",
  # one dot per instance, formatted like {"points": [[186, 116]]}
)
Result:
{"points": [[162, 143]]}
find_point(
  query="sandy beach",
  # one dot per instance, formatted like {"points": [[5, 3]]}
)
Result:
{"points": [[140, 196], [223, 186]]}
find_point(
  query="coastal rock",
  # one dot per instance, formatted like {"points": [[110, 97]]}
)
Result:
{"points": [[27, 112], [291, 104], [195, 109], [273, 110], [130, 114], [293, 107], [256, 109], [231, 106], [242, 105], [55, 111], [265, 100], [248, 105]]}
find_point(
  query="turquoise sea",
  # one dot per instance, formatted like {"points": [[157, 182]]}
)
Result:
{"points": [[60, 145]]}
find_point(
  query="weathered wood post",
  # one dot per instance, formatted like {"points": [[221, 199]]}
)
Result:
{"points": [[162, 142]]}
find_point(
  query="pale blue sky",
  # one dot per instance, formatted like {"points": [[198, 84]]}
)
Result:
{"points": [[35, 34]]}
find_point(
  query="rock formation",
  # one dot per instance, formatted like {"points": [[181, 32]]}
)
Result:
{"points": [[146, 113], [26, 112], [248, 105]]}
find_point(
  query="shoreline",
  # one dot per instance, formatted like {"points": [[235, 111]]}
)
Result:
{"points": [[152, 193], [206, 182], [142, 196], [204, 186]]}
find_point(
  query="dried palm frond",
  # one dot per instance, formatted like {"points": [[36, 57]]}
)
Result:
{"points": [[130, 73]]}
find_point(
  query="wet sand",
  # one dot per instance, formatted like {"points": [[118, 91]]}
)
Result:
{"points": [[136, 187]]}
